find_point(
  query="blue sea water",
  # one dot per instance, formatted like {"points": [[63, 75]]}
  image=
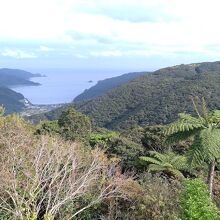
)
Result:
{"points": [[63, 85]]}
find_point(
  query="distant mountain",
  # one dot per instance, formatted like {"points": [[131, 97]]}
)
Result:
{"points": [[104, 86], [11, 100], [14, 77]]}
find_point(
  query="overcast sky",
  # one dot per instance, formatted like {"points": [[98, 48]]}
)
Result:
{"points": [[115, 34]]}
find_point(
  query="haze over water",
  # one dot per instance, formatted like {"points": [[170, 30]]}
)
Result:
{"points": [[63, 85]]}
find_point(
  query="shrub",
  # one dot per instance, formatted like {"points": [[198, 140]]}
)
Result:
{"points": [[42, 176], [151, 197], [74, 125], [118, 148], [196, 203], [48, 127]]}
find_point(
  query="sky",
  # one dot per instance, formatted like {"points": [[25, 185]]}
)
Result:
{"points": [[113, 34]]}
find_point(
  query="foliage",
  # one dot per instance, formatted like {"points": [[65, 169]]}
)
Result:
{"points": [[104, 86], [195, 202], [102, 140], [152, 197], [169, 163], [13, 101], [155, 98], [41, 175], [118, 148], [74, 125], [48, 127], [135, 134], [154, 138], [206, 133], [127, 151]]}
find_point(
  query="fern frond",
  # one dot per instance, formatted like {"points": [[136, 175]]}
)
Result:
{"points": [[204, 108], [167, 165], [185, 123], [210, 142], [180, 162], [181, 136], [157, 155], [195, 155], [215, 117], [156, 168], [150, 160], [167, 162], [177, 173]]}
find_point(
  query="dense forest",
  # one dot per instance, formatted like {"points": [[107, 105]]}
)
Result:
{"points": [[13, 101], [148, 149], [154, 98], [106, 85], [70, 169]]}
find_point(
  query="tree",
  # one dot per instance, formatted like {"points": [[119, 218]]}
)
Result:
{"points": [[154, 138], [74, 125], [169, 163], [118, 148], [205, 131], [48, 127]]}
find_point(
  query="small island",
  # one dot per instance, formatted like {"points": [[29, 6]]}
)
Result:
{"points": [[90, 81]]}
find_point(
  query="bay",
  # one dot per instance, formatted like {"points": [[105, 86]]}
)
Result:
{"points": [[63, 85]]}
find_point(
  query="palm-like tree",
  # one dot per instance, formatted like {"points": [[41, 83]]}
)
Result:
{"points": [[205, 131], [169, 163]]}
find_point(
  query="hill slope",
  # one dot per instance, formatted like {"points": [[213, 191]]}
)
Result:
{"points": [[156, 98], [12, 101], [14, 77], [104, 86]]}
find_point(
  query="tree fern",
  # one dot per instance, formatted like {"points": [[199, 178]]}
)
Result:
{"points": [[205, 131], [169, 163]]}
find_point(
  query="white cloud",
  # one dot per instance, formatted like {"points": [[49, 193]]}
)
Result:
{"points": [[192, 25], [45, 49], [81, 56], [18, 54], [108, 53]]}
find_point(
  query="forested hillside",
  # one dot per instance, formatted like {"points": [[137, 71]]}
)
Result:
{"points": [[104, 86], [14, 77], [11, 100], [156, 98]]}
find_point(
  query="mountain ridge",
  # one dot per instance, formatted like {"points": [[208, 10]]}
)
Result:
{"points": [[9, 78], [15, 77], [153, 98], [156, 98], [106, 85]]}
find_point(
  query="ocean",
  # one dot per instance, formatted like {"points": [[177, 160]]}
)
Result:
{"points": [[63, 85]]}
